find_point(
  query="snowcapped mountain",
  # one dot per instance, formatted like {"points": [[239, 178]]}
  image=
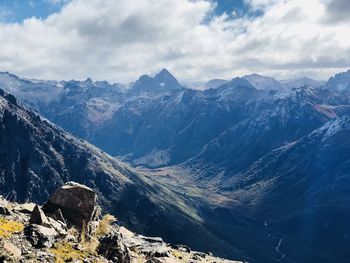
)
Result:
{"points": [[301, 82], [33, 92], [263, 83], [153, 86], [215, 83], [340, 82]]}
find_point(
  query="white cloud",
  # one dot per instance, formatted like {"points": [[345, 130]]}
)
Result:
{"points": [[119, 40]]}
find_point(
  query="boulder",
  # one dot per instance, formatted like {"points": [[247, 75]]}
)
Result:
{"points": [[38, 217], [77, 203], [40, 236], [113, 248]]}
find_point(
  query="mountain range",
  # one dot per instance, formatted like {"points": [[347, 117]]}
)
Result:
{"points": [[256, 166]]}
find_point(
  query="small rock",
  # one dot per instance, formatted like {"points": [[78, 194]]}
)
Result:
{"points": [[182, 248], [38, 217], [200, 254], [12, 249], [4, 211], [25, 208], [40, 236], [59, 226], [125, 232], [162, 260], [112, 248]]}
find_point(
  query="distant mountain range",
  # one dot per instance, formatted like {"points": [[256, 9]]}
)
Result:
{"points": [[262, 164]]}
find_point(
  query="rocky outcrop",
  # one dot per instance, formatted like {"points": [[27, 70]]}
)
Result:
{"points": [[75, 202], [39, 237]]}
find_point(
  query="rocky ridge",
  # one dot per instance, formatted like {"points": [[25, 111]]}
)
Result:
{"points": [[64, 230]]}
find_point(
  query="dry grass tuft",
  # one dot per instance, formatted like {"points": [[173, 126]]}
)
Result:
{"points": [[8, 227], [64, 252], [105, 225]]}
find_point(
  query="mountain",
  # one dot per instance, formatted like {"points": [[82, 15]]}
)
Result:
{"points": [[301, 82], [301, 191], [36, 157], [336, 91], [270, 123], [263, 82], [215, 83], [340, 82], [78, 106], [151, 86], [32, 92], [173, 127]]}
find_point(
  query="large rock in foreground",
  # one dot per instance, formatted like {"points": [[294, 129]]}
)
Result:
{"points": [[77, 202]]}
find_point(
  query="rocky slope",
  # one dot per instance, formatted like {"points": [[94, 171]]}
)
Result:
{"points": [[54, 233], [301, 191]]}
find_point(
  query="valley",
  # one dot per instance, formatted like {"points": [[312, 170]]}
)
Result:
{"points": [[257, 167]]}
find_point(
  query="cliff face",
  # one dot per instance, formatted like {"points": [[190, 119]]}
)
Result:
{"points": [[54, 233]]}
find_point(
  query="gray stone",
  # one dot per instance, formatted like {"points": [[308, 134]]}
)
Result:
{"points": [[113, 248], [25, 208], [40, 236], [59, 226]]}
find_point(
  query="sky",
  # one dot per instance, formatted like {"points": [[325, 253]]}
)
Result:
{"points": [[197, 40]]}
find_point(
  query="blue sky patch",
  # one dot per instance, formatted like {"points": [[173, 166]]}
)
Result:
{"points": [[15, 11]]}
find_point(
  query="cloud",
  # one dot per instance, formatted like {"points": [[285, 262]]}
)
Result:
{"points": [[119, 40], [337, 10]]}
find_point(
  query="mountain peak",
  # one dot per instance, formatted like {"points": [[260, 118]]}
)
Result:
{"points": [[263, 82], [164, 76], [164, 72]]}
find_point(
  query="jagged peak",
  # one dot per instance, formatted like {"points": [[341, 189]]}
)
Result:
{"points": [[89, 80], [165, 76]]}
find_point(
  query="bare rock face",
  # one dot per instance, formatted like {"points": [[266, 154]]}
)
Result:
{"points": [[76, 202]]}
